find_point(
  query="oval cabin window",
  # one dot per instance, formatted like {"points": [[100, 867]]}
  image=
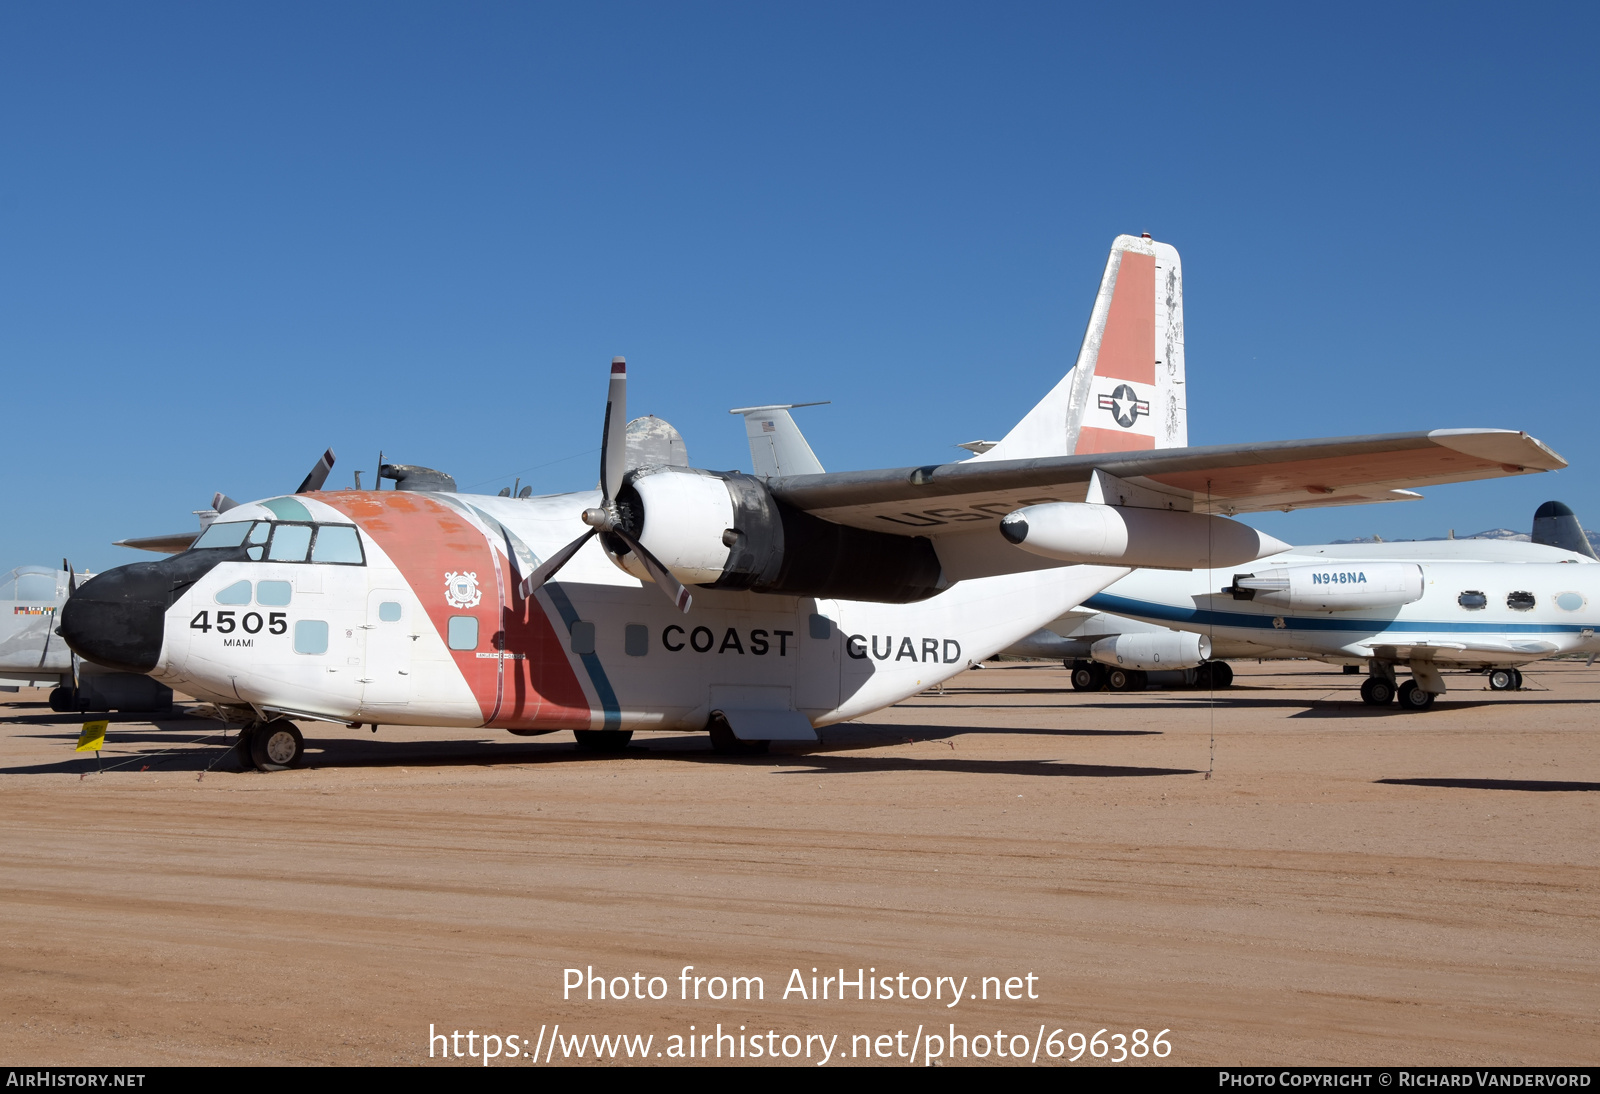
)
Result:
{"points": [[1520, 601], [1472, 600]]}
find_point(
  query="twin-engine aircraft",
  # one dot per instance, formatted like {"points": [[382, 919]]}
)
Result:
{"points": [[753, 607], [1484, 605]]}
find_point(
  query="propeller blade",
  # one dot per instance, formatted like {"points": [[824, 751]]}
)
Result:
{"points": [[72, 654], [614, 441], [319, 474], [72, 578], [670, 585], [547, 569]]}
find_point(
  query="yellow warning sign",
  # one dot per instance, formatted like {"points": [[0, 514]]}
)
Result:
{"points": [[93, 737]]}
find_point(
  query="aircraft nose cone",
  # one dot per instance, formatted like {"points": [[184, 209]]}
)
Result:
{"points": [[116, 618]]}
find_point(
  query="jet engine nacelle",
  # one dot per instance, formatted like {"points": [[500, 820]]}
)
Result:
{"points": [[1333, 587], [1151, 652], [727, 531], [1159, 539]]}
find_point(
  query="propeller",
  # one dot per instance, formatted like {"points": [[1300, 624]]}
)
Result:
{"points": [[72, 587], [318, 475], [606, 517]]}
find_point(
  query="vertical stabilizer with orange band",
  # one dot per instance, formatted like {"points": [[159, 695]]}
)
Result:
{"points": [[1126, 390]]}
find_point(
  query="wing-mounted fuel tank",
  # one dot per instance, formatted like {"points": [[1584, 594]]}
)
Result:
{"points": [[1332, 588], [725, 530]]}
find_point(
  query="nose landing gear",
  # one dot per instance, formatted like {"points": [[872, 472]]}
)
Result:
{"points": [[273, 746]]}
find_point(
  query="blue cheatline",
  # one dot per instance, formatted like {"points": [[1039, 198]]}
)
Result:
{"points": [[591, 661], [1122, 605]]}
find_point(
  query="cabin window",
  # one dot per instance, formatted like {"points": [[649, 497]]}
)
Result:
{"points": [[1473, 600], [237, 593], [310, 636], [273, 594], [337, 543], [290, 542], [1520, 601], [463, 632], [229, 534], [636, 640], [582, 637], [389, 612], [821, 627], [1569, 602]]}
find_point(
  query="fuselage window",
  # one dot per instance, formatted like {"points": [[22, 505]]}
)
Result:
{"points": [[310, 636], [256, 542], [1569, 602], [1472, 600], [237, 593], [389, 612], [463, 632], [582, 637], [290, 542], [274, 594], [1520, 601], [337, 543], [636, 640]]}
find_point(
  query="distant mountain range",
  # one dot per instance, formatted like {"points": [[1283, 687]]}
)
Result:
{"points": [[1492, 533]]}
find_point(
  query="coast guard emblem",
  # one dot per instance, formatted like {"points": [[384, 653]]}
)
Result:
{"points": [[461, 590]]}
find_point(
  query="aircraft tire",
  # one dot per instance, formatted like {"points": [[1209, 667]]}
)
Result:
{"points": [[64, 700], [1087, 675], [1518, 685], [724, 743], [1126, 680], [1377, 692], [603, 740], [276, 745], [1413, 697], [1502, 679], [1215, 674]]}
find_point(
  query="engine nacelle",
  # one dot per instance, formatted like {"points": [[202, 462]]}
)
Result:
{"points": [[1160, 539], [1333, 587], [1169, 650], [727, 531]]}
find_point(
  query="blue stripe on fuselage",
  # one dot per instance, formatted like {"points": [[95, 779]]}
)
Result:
{"points": [[1144, 609], [591, 661]]}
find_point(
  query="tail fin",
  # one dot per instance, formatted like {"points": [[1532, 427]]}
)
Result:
{"points": [[1554, 525], [776, 445], [1126, 390]]}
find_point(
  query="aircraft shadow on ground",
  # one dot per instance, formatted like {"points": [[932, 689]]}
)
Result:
{"points": [[1342, 708], [1536, 785], [198, 750]]}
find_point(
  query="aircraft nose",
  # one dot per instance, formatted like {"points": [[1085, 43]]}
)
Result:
{"points": [[116, 618]]}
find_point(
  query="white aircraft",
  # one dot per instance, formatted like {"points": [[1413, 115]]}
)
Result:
{"points": [[815, 597], [1488, 605]]}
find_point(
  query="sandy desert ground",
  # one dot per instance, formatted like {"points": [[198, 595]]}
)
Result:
{"points": [[1349, 885]]}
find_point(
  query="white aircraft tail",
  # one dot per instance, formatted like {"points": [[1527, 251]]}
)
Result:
{"points": [[776, 444], [1126, 390]]}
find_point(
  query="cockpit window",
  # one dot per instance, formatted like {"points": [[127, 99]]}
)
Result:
{"points": [[337, 543], [290, 542], [229, 534]]}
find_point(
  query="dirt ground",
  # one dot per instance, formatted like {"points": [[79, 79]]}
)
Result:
{"points": [[1348, 886]]}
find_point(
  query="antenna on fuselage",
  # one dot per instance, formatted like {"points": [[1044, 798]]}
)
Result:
{"points": [[377, 476]]}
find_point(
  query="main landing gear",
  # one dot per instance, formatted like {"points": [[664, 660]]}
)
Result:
{"points": [[1418, 693], [724, 743], [273, 746], [1092, 676], [1505, 680]]}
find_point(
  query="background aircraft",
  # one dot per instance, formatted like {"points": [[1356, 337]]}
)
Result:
{"points": [[33, 656], [1491, 605], [816, 597]]}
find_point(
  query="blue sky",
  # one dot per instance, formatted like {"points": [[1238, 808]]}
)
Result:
{"points": [[234, 235]]}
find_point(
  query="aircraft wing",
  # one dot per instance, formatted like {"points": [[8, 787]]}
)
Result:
{"points": [[167, 545], [956, 498]]}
